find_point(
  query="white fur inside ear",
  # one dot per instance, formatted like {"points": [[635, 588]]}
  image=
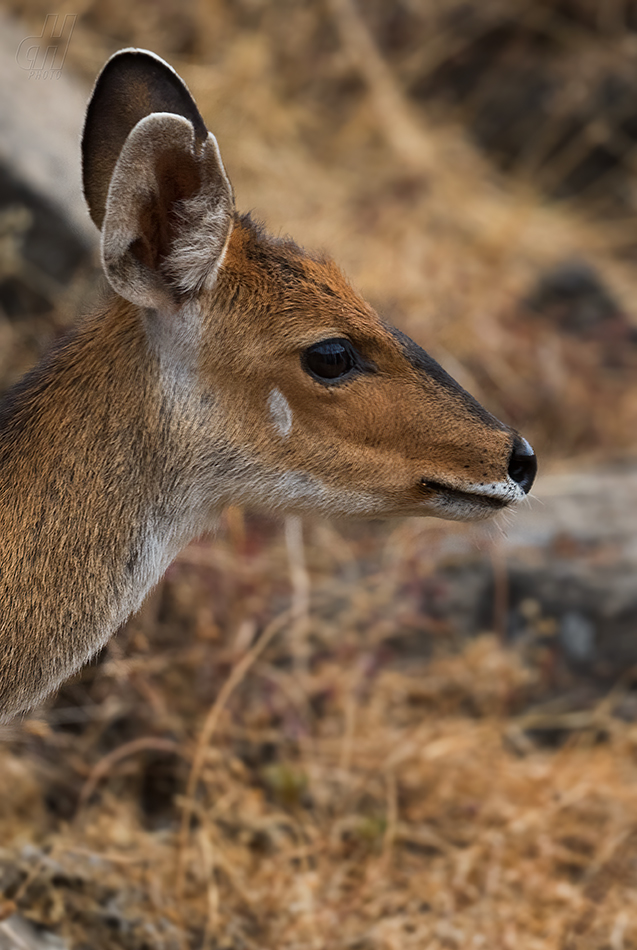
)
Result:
{"points": [[200, 247], [280, 412], [202, 222]]}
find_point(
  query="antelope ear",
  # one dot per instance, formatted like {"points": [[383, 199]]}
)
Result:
{"points": [[169, 213], [133, 84], [154, 182]]}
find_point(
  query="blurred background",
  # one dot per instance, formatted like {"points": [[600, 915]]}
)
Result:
{"points": [[435, 748]]}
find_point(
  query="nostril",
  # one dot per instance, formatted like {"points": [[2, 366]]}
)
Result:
{"points": [[522, 464]]}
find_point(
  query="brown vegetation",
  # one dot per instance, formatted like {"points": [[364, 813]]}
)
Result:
{"points": [[363, 779]]}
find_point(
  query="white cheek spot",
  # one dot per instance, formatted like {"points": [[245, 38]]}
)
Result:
{"points": [[280, 412]]}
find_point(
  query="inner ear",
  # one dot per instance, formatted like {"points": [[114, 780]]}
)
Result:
{"points": [[169, 213], [161, 217]]}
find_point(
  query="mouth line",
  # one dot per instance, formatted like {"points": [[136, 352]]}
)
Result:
{"points": [[488, 501]]}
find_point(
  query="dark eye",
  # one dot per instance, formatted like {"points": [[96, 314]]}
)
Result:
{"points": [[329, 359]]}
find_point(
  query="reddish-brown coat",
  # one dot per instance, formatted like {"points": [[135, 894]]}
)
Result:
{"points": [[192, 389]]}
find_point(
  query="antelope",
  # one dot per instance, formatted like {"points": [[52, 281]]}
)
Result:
{"points": [[223, 367]]}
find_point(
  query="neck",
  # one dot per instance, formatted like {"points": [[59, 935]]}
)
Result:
{"points": [[95, 499]]}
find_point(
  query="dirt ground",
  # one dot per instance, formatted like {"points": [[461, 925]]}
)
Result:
{"points": [[321, 736]]}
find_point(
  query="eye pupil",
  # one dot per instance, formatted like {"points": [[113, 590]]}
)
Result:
{"points": [[330, 359]]}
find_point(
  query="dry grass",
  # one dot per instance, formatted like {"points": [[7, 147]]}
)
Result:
{"points": [[202, 787], [360, 780]]}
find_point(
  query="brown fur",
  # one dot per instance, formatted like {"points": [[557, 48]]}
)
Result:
{"points": [[188, 391], [384, 432]]}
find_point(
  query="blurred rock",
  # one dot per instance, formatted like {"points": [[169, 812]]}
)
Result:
{"points": [[576, 300], [47, 240], [40, 126], [577, 636], [16, 933], [562, 577], [40, 250]]}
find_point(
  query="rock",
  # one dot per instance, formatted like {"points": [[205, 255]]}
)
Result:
{"points": [[16, 933], [40, 126]]}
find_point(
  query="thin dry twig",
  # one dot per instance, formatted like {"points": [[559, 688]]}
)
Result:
{"points": [[392, 815], [401, 129], [298, 569], [500, 591], [620, 868], [17, 942], [208, 859], [207, 732], [101, 769], [301, 590]]}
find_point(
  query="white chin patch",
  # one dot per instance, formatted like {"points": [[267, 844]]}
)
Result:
{"points": [[280, 412], [508, 491], [470, 505]]}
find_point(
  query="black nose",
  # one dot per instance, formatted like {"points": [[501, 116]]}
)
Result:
{"points": [[522, 464]]}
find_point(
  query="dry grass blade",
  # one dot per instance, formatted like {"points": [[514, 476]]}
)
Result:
{"points": [[619, 868], [207, 731], [104, 766], [16, 941], [394, 114]]}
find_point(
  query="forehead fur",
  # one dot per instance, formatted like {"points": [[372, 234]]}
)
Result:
{"points": [[282, 257], [284, 278], [295, 299]]}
